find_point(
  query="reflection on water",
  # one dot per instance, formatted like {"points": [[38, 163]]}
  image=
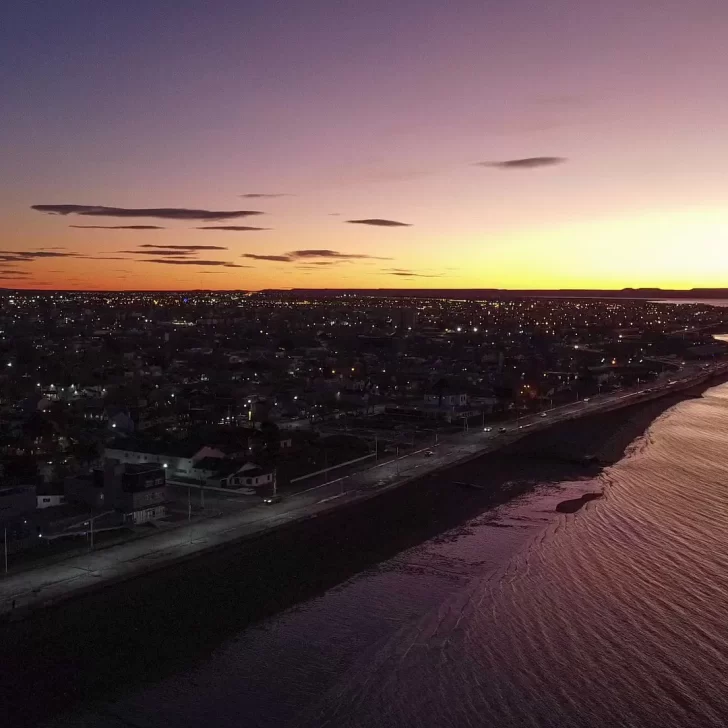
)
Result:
{"points": [[613, 615]]}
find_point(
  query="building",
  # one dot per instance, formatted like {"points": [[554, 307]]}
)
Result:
{"points": [[230, 474], [179, 458], [405, 319], [50, 495], [135, 490], [446, 399], [139, 491]]}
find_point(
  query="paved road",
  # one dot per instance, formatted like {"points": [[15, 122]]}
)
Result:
{"points": [[46, 584]]}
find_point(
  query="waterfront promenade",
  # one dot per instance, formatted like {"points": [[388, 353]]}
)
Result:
{"points": [[23, 592]]}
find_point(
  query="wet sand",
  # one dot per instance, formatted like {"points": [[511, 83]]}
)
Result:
{"points": [[102, 645]]}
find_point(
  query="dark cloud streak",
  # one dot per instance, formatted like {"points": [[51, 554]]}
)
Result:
{"points": [[265, 195], [166, 213], [332, 254], [275, 258], [525, 163], [379, 222], [221, 263], [118, 227], [183, 247], [232, 228]]}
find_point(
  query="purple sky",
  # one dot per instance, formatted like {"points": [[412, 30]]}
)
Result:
{"points": [[369, 109]]}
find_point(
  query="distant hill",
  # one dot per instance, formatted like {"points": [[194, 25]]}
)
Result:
{"points": [[502, 293]]}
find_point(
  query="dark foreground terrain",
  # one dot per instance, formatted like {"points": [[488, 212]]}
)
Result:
{"points": [[103, 644]]}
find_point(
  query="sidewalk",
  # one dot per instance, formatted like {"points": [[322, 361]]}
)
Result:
{"points": [[22, 592]]}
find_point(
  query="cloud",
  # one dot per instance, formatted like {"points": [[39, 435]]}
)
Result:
{"points": [[331, 256], [183, 247], [404, 273], [10, 272], [166, 213], [24, 256], [525, 163], [221, 263], [174, 253], [297, 254], [232, 228], [118, 227], [99, 257], [275, 258], [379, 222], [265, 195]]}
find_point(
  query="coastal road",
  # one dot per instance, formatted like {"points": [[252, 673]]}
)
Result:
{"points": [[47, 584]]}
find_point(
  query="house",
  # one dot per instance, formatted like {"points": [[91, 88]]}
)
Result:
{"points": [[119, 419], [137, 491], [231, 474], [178, 458], [50, 494], [449, 399]]}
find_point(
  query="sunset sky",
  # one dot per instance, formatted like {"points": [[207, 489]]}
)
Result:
{"points": [[523, 144]]}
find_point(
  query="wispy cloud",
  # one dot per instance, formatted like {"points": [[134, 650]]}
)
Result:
{"points": [[330, 257], [404, 273], [220, 263], [379, 222], [232, 228], [297, 254], [274, 258], [173, 253], [22, 256], [167, 213], [183, 247], [118, 227], [265, 195], [525, 163], [99, 257]]}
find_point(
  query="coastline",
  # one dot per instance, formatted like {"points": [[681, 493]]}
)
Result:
{"points": [[217, 594]]}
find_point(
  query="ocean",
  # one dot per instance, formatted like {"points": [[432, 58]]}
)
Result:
{"points": [[614, 615]]}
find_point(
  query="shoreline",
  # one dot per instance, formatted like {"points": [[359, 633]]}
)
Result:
{"points": [[212, 596], [558, 443]]}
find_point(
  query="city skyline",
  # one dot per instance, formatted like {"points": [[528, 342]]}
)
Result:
{"points": [[254, 146]]}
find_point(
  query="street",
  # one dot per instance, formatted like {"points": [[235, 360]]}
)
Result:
{"points": [[239, 517]]}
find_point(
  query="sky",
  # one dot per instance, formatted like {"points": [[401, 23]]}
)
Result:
{"points": [[407, 144]]}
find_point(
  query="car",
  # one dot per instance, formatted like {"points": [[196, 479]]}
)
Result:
{"points": [[272, 499], [586, 399], [487, 429], [543, 414], [429, 454], [502, 430]]}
